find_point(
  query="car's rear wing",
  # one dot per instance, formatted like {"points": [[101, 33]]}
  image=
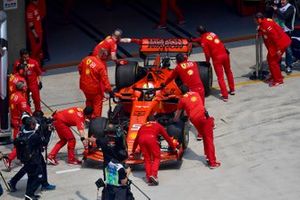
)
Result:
{"points": [[158, 45]]}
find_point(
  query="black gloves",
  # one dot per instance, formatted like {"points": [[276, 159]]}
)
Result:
{"points": [[40, 85], [227, 51], [184, 118], [111, 94], [206, 114]]}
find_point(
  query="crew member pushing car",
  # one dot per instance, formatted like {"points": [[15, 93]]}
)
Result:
{"points": [[191, 103], [63, 120], [110, 44], [189, 74], [147, 140], [214, 48]]}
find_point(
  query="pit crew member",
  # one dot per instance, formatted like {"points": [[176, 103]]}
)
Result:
{"points": [[94, 81], [192, 105], [276, 42], [32, 75], [147, 140], [214, 49], [63, 120], [18, 105], [189, 74]]}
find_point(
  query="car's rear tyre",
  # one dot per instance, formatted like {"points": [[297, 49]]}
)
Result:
{"points": [[206, 76], [179, 132], [128, 74], [97, 126]]}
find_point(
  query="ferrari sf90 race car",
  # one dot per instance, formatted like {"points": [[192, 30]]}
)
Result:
{"points": [[138, 95]]}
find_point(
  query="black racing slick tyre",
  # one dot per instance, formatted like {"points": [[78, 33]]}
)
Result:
{"points": [[179, 132], [97, 126], [128, 74], [206, 75]]}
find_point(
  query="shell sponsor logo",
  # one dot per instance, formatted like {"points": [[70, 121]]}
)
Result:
{"points": [[87, 71], [88, 61], [71, 111], [132, 135], [193, 99], [209, 37], [190, 72]]}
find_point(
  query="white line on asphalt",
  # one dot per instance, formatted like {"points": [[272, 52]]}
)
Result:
{"points": [[67, 171]]}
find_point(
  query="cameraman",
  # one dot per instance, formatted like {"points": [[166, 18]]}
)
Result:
{"points": [[113, 141], [284, 15], [115, 153], [269, 11], [29, 151], [116, 177], [45, 130]]}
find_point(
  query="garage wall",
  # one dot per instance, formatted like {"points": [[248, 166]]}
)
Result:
{"points": [[16, 30]]}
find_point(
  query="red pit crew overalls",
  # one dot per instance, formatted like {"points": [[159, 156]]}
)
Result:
{"points": [[63, 120], [215, 49], [190, 76], [13, 80], [164, 11], [191, 103], [31, 75], [147, 140], [94, 82], [275, 40], [109, 43], [18, 105], [33, 16]]}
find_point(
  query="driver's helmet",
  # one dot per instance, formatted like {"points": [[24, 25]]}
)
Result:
{"points": [[149, 85]]}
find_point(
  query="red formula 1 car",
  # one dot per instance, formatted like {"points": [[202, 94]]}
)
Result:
{"points": [[138, 94]]}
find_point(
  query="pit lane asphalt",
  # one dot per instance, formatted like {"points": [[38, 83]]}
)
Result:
{"points": [[256, 138]]}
